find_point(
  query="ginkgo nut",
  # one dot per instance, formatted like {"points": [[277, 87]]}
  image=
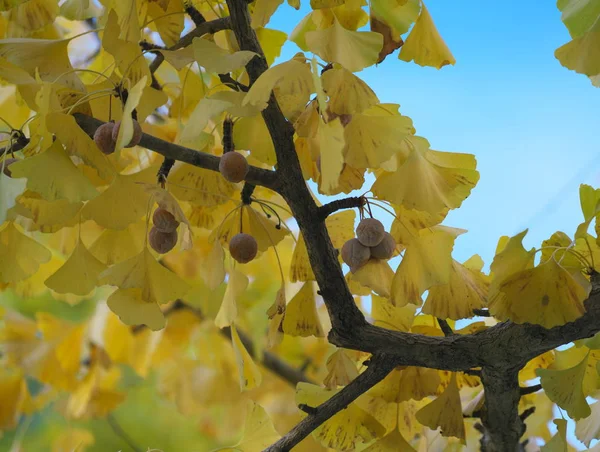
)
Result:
{"points": [[370, 232], [355, 254], [7, 163], [233, 166], [162, 242], [385, 249], [243, 247], [135, 138], [164, 220], [103, 137]]}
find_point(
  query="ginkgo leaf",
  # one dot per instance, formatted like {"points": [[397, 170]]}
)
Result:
{"points": [[80, 9], [126, 127], [588, 429], [78, 143], [53, 175], [113, 246], [589, 199], [169, 23], [236, 286], [199, 186], [79, 274], [392, 441], [386, 315], [13, 390], [558, 443], [377, 275], [465, 291], [249, 373], [424, 44], [574, 355], [251, 133], [218, 60], [262, 12], [293, 85], [49, 216], [10, 189], [204, 111], [123, 202], [409, 383], [342, 370], [564, 387], [355, 50], [345, 429], [331, 144], [347, 93], [158, 284], [301, 317], [398, 15], [259, 432], [133, 309], [427, 262], [511, 257], [582, 54], [445, 179], [214, 269], [21, 255], [445, 412], [271, 42], [546, 295]]}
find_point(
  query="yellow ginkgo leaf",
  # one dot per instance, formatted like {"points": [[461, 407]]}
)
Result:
{"points": [[301, 317], [271, 42], [588, 429], [347, 93], [262, 12], [377, 275], [342, 370], [113, 246], [158, 284], [564, 387], [408, 223], [386, 315], [49, 216], [79, 274], [217, 60], [78, 143], [582, 54], [445, 179], [331, 145], [293, 85], [53, 175], [355, 50], [251, 133], [205, 110], [558, 443], [13, 391], [542, 361], [123, 202], [80, 9], [199, 186], [133, 309], [259, 432], [398, 15], [465, 291], [375, 136], [236, 286], [170, 22], [566, 359], [31, 15], [300, 268], [213, 273], [10, 189], [390, 442], [345, 429], [249, 373], [126, 128], [546, 295], [445, 412], [426, 263], [409, 383], [21, 255], [424, 44]]}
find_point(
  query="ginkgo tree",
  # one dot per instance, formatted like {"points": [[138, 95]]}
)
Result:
{"points": [[166, 265]]}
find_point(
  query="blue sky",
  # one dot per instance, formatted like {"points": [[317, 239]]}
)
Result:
{"points": [[529, 121]]}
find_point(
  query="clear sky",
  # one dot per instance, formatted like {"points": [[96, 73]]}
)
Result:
{"points": [[531, 123]]}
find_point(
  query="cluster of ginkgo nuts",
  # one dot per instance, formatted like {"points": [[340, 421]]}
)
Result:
{"points": [[163, 235], [106, 136], [372, 241]]}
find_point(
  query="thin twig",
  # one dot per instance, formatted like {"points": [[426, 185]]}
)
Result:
{"points": [[445, 327], [482, 312], [531, 389], [339, 204], [116, 427]]}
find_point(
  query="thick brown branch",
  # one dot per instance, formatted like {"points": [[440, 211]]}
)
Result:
{"points": [[378, 369], [531, 389], [257, 176], [339, 204], [204, 28]]}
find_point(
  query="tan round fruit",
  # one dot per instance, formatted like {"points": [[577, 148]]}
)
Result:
{"points": [[162, 242], [370, 232], [103, 137], [355, 254], [7, 163], [233, 166], [164, 220], [243, 247], [385, 249], [135, 138]]}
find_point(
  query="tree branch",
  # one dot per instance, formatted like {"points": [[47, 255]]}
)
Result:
{"points": [[378, 369], [257, 176], [339, 204], [531, 389], [446, 329]]}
